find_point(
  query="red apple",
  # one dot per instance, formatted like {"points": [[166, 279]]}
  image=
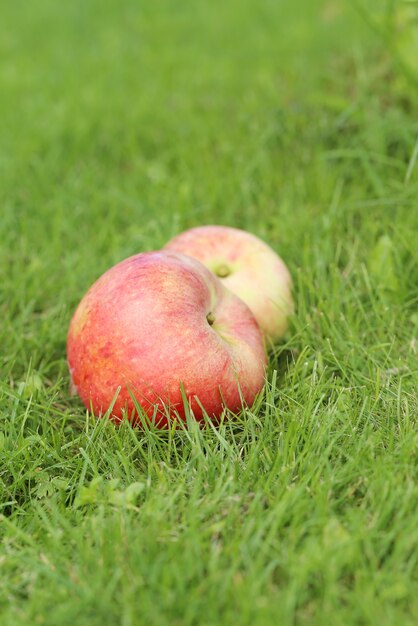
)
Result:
{"points": [[162, 328], [248, 267]]}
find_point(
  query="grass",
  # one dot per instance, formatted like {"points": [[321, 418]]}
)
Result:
{"points": [[124, 123]]}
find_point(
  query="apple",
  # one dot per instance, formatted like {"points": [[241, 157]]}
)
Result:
{"points": [[160, 327], [248, 267]]}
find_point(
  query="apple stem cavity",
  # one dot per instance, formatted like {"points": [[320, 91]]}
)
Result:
{"points": [[210, 318], [222, 271]]}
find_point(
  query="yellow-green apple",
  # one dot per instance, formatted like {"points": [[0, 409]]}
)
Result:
{"points": [[160, 327], [248, 267]]}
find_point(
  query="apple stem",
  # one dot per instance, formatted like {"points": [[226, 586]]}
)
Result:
{"points": [[222, 271], [210, 318]]}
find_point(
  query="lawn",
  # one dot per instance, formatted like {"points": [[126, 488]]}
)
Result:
{"points": [[122, 124]]}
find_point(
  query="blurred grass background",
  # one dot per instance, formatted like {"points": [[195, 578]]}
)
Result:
{"points": [[122, 123]]}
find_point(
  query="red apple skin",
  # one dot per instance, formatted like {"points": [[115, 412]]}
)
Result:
{"points": [[143, 327], [257, 274]]}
